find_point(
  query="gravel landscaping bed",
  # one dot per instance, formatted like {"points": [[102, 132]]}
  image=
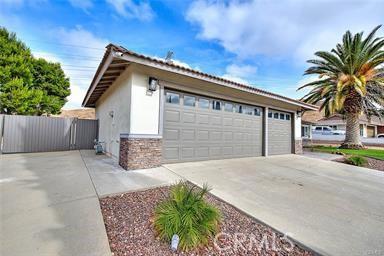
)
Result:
{"points": [[372, 163], [128, 220]]}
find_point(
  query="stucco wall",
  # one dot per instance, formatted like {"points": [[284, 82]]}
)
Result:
{"points": [[117, 99], [297, 127], [145, 107]]}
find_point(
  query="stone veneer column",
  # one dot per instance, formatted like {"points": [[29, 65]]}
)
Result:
{"points": [[140, 153], [298, 146]]}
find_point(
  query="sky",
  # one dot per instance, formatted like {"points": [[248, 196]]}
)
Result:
{"points": [[261, 43]]}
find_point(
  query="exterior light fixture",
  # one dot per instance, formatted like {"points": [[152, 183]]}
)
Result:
{"points": [[299, 113], [153, 84]]}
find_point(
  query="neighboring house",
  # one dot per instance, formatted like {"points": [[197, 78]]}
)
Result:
{"points": [[368, 127], [308, 120], [152, 112], [82, 113]]}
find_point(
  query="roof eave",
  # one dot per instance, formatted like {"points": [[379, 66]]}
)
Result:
{"points": [[114, 51]]}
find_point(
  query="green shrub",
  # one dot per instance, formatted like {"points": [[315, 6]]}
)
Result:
{"points": [[356, 160], [187, 214]]}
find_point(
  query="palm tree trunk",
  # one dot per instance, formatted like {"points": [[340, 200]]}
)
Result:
{"points": [[352, 133]]}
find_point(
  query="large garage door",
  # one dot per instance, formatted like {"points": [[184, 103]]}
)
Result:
{"points": [[202, 128], [279, 133]]}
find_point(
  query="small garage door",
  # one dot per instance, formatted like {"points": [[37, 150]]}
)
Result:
{"points": [[279, 133], [203, 128]]}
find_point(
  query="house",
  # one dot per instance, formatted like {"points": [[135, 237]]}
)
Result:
{"points": [[82, 113], [368, 127], [152, 112]]}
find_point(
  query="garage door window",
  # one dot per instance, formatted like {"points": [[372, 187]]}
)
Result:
{"points": [[189, 101], [270, 114], [276, 115], [203, 103], [172, 98], [257, 112], [216, 105], [248, 111], [228, 107], [288, 117], [239, 109], [282, 116]]}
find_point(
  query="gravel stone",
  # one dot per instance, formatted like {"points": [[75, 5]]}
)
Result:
{"points": [[129, 217]]}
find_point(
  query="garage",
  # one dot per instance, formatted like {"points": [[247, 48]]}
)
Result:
{"points": [[165, 113], [279, 132], [203, 128]]}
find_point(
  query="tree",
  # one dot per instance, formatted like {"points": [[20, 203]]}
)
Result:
{"points": [[350, 81], [29, 86]]}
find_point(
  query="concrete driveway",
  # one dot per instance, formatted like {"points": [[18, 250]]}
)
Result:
{"points": [[333, 208], [49, 206]]}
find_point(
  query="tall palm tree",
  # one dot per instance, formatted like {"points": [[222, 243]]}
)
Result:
{"points": [[350, 81]]}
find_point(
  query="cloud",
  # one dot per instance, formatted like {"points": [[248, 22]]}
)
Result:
{"points": [[47, 56], [235, 79], [82, 4], [79, 52], [131, 10], [284, 29], [241, 71]]}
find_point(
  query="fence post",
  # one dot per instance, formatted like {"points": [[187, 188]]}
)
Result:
{"points": [[2, 117]]}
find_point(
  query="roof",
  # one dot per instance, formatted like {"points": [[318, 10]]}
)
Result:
{"points": [[338, 119], [82, 113], [113, 64], [312, 116]]}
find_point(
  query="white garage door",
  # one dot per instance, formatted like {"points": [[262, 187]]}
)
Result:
{"points": [[202, 128], [279, 132]]}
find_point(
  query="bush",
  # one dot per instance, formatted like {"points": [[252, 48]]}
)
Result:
{"points": [[187, 214], [356, 160]]}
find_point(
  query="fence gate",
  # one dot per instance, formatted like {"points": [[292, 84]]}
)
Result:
{"points": [[22, 134]]}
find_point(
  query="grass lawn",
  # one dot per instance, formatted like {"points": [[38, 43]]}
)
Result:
{"points": [[374, 153]]}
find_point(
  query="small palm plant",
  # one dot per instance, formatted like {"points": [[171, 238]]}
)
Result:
{"points": [[187, 214], [356, 160], [350, 81]]}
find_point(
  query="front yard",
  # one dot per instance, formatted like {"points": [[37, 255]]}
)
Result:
{"points": [[129, 223], [372, 153]]}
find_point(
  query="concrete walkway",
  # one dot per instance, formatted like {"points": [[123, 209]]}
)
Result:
{"points": [[109, 178], [321, 155], [49, 206], [333, 208]]}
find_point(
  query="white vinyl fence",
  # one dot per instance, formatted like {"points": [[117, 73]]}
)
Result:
{"points": [[23, 134]]}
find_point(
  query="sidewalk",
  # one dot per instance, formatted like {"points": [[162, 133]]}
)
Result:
{"points": [[109, 178]]}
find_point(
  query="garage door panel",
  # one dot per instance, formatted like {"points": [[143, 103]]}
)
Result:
{"points": [[202, 152], [203, 135], [189, 117], [171, 153], [228, 151], [194, 133], [188, 135], [228, 121], [215, 136], [228, 136], [171, 134], [216, 120], [188, 152], [279, 134], [172, 116]]}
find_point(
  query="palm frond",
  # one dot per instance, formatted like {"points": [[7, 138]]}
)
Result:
{"points": [[351, 73]]}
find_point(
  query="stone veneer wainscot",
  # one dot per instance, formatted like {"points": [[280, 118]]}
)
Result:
{"points": [[140, 153], [298, 147]]}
